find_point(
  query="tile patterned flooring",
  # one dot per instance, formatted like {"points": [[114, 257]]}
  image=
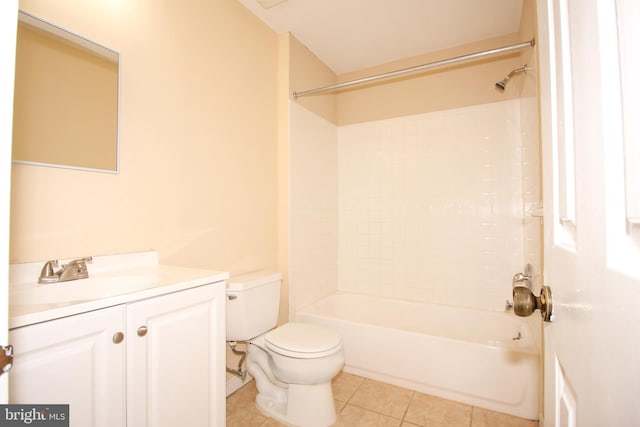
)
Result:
{"points": [[361, 402]]}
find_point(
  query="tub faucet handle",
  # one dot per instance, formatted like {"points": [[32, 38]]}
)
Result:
{"points": [[518, 278]]}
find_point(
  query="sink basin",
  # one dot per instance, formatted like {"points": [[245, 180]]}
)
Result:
{"points": [[81, 290]]}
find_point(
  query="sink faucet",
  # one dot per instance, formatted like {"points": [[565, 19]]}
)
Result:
{"points": [[73, 270]]}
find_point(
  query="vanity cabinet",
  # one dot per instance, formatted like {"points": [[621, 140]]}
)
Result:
{"points": [[151, 362]]}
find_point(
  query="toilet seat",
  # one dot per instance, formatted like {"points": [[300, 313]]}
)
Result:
{"points": [[303, 341]]}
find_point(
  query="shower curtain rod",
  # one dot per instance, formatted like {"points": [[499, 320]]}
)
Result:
{"points": [[417, 68]]}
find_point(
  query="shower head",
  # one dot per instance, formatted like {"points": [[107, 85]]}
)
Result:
{"points": [[502, 84]]}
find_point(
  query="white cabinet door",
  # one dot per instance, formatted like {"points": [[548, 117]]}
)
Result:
{"points": [[176, 359], [75, 361]]}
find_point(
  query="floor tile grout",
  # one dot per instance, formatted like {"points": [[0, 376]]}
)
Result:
{"points": [[404, 415], [379, 389]]}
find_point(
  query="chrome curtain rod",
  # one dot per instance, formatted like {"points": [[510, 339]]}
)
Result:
{"points": [[417, 68]]}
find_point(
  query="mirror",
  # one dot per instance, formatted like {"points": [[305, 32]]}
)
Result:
{"points": [[66, 99]]}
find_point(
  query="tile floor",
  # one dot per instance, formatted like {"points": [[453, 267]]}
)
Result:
{"points": [[367, 403]]}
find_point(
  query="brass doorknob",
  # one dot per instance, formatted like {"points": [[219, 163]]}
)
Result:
{"points": [[6, 358], [525, 302]]}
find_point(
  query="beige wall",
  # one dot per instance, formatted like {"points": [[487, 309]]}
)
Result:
{"points": [[528, 31], [308, 72], [198, 139], [465, 84]]}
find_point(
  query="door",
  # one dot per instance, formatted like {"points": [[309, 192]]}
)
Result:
{"points": [[588, 51], [8, 26], [76, 360], [176, 359]]}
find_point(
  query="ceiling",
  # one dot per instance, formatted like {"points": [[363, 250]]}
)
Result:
{"points": [[349, 35]]}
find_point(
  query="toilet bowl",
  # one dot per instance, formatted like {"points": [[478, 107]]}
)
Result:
{"points": [[293, 364]]}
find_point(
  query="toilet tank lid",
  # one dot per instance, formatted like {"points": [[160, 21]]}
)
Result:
{"points": [[251, 280]]}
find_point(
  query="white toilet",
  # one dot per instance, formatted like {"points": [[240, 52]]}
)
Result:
{"points": [[293, 364]]}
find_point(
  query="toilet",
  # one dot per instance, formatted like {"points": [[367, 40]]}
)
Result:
{"points": [[293, 364]]}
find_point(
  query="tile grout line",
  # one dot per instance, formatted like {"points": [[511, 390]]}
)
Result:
{"points": [[353, 394], [413, 392], [402, 420], [348, 399]]}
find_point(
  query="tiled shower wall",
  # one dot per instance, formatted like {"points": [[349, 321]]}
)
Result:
{"points": [[430, 207], [531, 185], [313, 208], [425, 208]]}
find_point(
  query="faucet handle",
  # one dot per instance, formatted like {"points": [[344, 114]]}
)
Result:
{"points": [[80, 264], [521, 279], [48, 275], [75, 269]]}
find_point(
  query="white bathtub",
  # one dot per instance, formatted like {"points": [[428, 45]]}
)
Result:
{"points": [[460, 354]]}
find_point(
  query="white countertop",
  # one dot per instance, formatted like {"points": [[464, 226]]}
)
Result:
{"points": [[113, 280]]}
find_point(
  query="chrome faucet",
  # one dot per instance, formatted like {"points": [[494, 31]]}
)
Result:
{"points": [[73, 270]]}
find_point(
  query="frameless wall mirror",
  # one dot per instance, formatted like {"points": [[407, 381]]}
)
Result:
{"points": [[66, 99]]}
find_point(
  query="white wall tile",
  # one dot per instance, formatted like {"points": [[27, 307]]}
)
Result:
{"points": [[426, 208], [313, 172], [430, 206]]}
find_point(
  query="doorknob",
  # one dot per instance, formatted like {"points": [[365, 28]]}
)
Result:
{"points": [[525, 302], [6, 358]]}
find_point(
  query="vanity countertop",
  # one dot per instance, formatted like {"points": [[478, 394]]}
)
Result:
{"points": [[113, 280]]}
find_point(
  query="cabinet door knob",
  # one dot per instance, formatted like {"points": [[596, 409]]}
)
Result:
{"points": [[142, 331], [118, 337]]}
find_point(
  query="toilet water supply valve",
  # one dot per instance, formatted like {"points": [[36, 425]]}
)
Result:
{"points": [[242, 373], [525, 302]]}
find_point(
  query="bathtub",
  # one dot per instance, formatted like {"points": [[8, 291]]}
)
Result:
{"points": [[481, 358]]}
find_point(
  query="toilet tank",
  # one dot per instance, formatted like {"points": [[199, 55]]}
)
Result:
{"points": [[252, 304]]}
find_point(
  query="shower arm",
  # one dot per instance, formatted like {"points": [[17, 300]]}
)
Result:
{"points": [[519, 70], [417, 68], [502, 84]]}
